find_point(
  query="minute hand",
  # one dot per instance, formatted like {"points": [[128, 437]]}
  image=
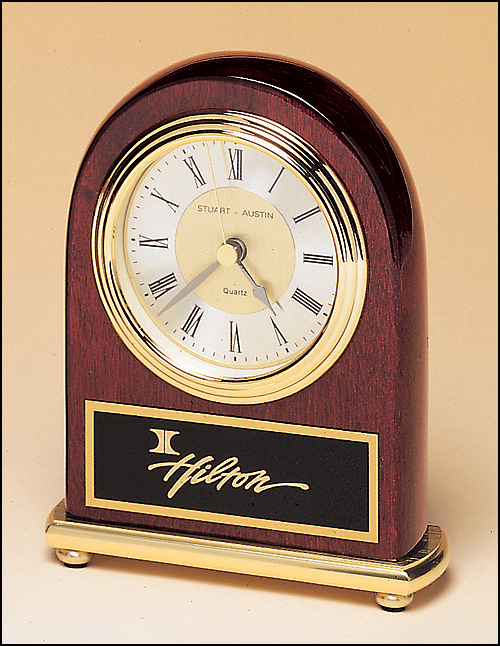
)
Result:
{"points": [[191, 286], [258, 290]]}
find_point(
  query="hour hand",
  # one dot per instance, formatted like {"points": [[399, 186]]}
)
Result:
{"points": [[192, 285], [258, 290]]}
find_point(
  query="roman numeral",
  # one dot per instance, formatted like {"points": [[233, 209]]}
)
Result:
{"points": [[199, 180], [172, 205], [163, 285], [160, 243], [236, 159], [307, 301], [306, 214], [277, 178], [193, 320], [279, 333], [234, 337], [318, 259]]}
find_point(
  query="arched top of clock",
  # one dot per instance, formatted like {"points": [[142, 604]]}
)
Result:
{"points": [[347, 114]]}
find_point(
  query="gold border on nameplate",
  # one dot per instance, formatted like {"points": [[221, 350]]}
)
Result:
{"points": [[371, 439]]}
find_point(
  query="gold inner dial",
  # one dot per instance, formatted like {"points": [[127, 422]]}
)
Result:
{"points": [[249, 219]]}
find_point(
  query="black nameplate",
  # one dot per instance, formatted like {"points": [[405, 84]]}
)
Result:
{"points": [[232, 470]]}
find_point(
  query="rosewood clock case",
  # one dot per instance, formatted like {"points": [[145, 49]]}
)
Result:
{"points": [[377, 386]]}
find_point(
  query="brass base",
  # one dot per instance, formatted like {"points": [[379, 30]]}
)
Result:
{"points": [[394, 582]]}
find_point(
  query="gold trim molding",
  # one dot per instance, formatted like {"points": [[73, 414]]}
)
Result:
{"points": [[394, 582], [122, 305]]}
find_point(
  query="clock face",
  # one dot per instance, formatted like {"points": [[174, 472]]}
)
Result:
{"points": [[229, 258]]}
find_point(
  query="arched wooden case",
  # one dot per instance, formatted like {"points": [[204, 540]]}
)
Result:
{"points": [[377, 387]]}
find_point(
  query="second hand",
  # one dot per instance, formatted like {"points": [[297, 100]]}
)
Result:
{"points": [[216, 196]]}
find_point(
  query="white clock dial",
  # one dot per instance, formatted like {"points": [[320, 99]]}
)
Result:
{"points": [[223, 261], [209, 197]]}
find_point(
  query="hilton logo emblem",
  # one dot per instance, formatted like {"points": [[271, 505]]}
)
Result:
{"points": [[187, 470]]}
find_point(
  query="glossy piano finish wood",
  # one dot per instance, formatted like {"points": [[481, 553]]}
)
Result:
{"points": [[379, 383]]}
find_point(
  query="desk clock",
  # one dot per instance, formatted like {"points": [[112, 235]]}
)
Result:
{"points": [[246, 336]]}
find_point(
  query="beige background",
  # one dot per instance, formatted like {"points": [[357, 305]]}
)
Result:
{"points": [[429, 69]]}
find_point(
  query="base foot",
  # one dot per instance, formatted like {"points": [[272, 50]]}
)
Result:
{"points": [[393, 602], [73, 558]]}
